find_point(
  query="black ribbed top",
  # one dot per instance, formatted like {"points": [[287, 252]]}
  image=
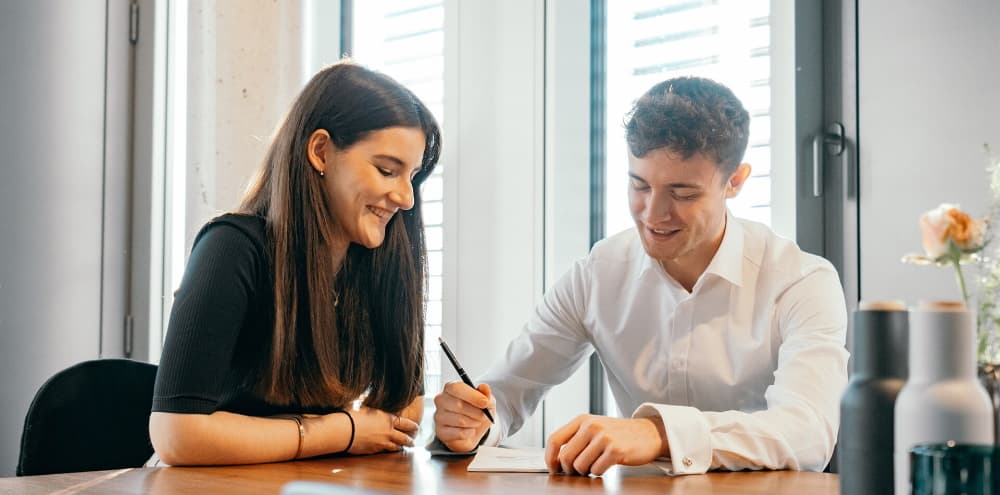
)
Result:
{"points": [[221, 324]]}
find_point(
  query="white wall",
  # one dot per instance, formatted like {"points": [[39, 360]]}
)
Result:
{"points": [[928, 99], [493, 152], [567, 174]]}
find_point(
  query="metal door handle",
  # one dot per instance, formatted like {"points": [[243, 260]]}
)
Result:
{"points": [[833, 138]]}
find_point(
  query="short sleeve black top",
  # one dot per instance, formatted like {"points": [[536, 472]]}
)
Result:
{"points": [[221, 325]]}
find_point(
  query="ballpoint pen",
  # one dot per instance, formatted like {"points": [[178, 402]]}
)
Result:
{"points": [[461, 372]]}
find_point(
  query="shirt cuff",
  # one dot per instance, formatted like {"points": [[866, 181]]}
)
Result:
{"points": [[687, 437], [494, 436]]}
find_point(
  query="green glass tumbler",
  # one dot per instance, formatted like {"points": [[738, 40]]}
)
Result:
{"points": [[955, 469]]}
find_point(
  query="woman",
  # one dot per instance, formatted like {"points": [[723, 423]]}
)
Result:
{"points": [[311, 296]]}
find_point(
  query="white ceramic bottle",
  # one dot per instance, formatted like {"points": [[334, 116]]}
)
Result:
{"points": [[942, 399]]}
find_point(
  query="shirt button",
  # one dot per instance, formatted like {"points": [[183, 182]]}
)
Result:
{"points": [[687, 462], [678, 364]]}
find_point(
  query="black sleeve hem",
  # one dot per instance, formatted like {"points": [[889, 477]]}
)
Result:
{"points": [[184, 405]]}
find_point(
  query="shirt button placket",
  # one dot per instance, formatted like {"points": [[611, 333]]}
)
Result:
{"points": [[674, 381], [681, 347]]}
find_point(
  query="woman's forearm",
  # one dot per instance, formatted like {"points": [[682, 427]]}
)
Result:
{"points": [[229, 438]]}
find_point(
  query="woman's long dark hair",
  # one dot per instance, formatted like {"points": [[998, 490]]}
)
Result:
{"points": [[325, 352]]}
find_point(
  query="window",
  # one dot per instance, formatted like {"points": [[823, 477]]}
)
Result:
{"points": [[725, 40], [405, 40]]}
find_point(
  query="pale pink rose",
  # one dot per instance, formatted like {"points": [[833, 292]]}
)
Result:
{"points": [[934, 230], [948, 221]]}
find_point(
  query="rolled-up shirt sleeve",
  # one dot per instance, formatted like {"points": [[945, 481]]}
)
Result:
{"points": [[550, 348], [798, 429]]}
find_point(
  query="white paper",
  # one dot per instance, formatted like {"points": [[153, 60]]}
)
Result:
{"points": [[504, 460]]}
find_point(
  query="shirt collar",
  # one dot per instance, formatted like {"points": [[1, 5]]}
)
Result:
{"points": [[728, 260]]}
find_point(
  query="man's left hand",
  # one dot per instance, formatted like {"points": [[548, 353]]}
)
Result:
{"points": [[593, 444]]}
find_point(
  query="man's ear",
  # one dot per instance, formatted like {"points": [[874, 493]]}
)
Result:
{"points": [[317, 149], [736, 181]]}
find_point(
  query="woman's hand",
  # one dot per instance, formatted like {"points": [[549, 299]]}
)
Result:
{"points": [[415, 411], [379, 431]]}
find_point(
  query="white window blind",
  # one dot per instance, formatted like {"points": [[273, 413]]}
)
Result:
{"points": [[649, 41], [405, 40]]}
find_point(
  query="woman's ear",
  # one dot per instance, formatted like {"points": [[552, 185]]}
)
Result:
{"points": [[736, 181], [317, 149]]}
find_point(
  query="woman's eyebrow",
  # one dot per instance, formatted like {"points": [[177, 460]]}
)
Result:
{"points": [[391, 158], [397, 161]]}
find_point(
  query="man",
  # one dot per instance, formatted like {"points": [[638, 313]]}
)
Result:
{"points": [[725, 341]]}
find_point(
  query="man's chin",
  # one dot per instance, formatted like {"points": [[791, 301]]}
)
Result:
{"points": [[658, 251]]}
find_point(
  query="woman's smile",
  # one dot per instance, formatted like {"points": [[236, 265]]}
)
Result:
{"points": [[382, 213]]}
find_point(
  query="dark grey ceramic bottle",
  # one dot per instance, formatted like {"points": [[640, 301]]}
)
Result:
{"points": [[879, 371]]}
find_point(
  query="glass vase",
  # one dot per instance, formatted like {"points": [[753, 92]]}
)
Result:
{"points": [[989, 376]]}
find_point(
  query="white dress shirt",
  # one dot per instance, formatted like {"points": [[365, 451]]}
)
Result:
{"points": [[746, 370]]}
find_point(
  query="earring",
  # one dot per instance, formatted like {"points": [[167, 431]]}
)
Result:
{"points": [[322, 173]]}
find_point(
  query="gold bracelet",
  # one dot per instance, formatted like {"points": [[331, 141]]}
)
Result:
{"points": [[302, 434]]}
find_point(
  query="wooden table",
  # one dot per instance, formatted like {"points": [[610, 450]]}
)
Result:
{"points": [[412, 472]]}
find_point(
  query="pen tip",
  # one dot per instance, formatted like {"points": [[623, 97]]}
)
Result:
{"points": [[440, 340]]}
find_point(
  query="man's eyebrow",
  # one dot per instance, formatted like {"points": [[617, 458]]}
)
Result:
{"points": [[673, 185], [636, 177]]}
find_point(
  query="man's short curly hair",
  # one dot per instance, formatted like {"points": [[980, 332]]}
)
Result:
{"points": [[689, 116]]}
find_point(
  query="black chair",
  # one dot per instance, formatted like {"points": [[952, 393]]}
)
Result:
{"points": [[832, 467], [89, 417]]}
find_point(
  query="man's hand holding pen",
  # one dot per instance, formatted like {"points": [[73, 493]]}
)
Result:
{"points": [[460, 422]]}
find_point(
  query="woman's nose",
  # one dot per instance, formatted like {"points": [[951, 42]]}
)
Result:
{"points": [[402, 195]]}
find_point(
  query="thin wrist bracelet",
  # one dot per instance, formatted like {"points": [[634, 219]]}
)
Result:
{"points": [[350, 442], [302, 434]]}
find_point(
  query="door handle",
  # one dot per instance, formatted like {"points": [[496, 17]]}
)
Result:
{"points": [[833, 140]]}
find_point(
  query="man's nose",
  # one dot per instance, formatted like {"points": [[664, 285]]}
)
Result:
{"points": [[661, 206]]}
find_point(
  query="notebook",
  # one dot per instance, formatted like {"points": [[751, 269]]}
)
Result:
{"points": [[507, 460]]}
